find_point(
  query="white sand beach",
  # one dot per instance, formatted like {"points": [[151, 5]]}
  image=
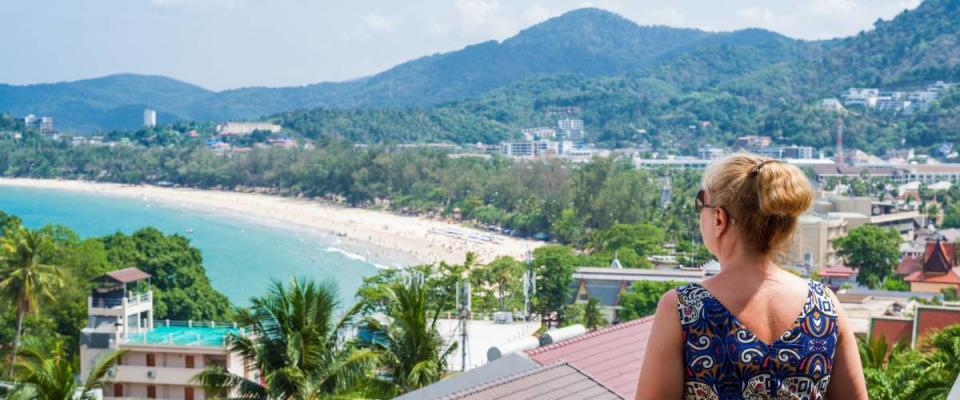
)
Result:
{"points": [[381, 237]]}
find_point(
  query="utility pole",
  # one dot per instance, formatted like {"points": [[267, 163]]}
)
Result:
{"points": [[464, 305]]}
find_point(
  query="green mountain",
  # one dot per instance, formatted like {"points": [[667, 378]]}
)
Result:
{"points": [[110, 102], [632, 83], [585, 42]]}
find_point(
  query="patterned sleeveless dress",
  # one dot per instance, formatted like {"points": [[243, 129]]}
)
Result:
{"points": [[724, 360]]}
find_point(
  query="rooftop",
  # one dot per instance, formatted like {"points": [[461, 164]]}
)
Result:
{"points": [[126, 275], [558, 381], [612, 355]]}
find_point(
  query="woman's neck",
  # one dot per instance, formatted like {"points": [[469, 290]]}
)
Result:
{"points": [[744, 261]]}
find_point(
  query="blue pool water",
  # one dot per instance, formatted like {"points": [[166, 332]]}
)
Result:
{"points": [[240, 256], [183, 336]]}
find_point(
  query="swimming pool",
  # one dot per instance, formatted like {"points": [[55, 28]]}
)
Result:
{"points": [[182, 336]]}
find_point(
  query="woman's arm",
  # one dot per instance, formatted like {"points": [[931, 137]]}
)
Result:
{"points": [[661, 376], [846, 379]]}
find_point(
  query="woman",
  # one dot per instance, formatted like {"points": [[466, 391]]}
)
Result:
{"points": [[753, 331]]}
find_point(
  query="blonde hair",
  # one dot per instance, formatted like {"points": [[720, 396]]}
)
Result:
{"points": [[763, 196]]}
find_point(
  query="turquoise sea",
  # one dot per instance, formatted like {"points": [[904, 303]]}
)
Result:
{"points": [[240, 256]]}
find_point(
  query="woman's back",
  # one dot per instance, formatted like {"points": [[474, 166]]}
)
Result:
{"points": [[724, 359], [753, 331]]}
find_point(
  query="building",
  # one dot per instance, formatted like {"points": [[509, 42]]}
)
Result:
{"points": [[607, 284], [711, 153], [541, 149], [812, 245], [539, 133], [859, 211], [926, 173], [162, 356], [149, 118], [246, 128], [571, 129], [752, 142], [937, 270], [831, 104], [612, 357]]}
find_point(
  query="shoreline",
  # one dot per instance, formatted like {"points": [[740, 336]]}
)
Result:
{"points": [[382, 238]]}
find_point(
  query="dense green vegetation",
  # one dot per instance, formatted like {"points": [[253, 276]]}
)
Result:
{"points": [[45, 278], [873, 251], [901, 373], [570, 201]]}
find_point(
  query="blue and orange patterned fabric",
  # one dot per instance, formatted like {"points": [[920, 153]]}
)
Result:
{"points": [[724, 360]]}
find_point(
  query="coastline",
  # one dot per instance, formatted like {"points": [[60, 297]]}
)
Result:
{"points": [[382, 238]]}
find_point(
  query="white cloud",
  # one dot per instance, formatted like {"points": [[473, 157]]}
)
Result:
{"points": [[761, 16], [378, 23], [663, 16]]}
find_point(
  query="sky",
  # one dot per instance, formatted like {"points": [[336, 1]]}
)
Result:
{"points": [[225, 44]]}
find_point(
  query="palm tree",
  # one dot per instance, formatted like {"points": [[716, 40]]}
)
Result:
{"points": [[413, 354], [24, 278], [940, 367], [296, 347], [49, 375]]}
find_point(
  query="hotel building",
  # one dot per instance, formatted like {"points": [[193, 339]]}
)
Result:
{"points": [[162, 356]]}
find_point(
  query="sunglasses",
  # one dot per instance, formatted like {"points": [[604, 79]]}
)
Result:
{"points": [[701, 203]]}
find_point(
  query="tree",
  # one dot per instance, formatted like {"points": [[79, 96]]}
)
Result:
{"points": [[554, 267], [414, 355], [642, 298], [940, 367], [504, 275], [50, 375], [592, 316], [296, 345], [25, 278], [872, 250]]}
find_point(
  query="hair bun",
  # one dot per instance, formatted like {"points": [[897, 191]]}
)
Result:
{"points": [[782, 189]]}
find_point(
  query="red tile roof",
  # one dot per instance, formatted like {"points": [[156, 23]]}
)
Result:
{"points": [[951, 277], [939, 257], [612, 355], [837, 271], [908, 265]]}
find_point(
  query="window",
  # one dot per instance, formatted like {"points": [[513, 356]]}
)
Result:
{"points": [[189, 362], [117, 390], [151, 360], [188, 393], [151, 392]]}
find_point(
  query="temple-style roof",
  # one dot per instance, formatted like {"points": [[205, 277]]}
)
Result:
{"points": [[939, 257]]}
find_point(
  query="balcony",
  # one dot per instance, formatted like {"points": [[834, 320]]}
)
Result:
{"points": [[133, 303]]}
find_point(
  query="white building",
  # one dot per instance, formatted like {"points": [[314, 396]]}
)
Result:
{"points": [[162, 356], [246, 128], [149, 118]]}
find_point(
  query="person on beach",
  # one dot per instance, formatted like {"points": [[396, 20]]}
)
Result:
{"points": [[754, 330]]}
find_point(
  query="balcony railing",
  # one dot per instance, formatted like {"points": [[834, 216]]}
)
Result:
{"points": [[113, 302]]}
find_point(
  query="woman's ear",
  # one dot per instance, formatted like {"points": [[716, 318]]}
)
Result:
{"points": [[721, 221]]}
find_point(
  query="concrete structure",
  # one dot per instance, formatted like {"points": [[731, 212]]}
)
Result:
{"points": [[162, 356], [607, 284], [246, 128], [149, 118], [529, 149], [914, 330], [812, 245], [482, 335]]}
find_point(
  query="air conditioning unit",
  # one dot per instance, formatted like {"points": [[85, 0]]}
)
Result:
{"points": [[151, 374]]}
